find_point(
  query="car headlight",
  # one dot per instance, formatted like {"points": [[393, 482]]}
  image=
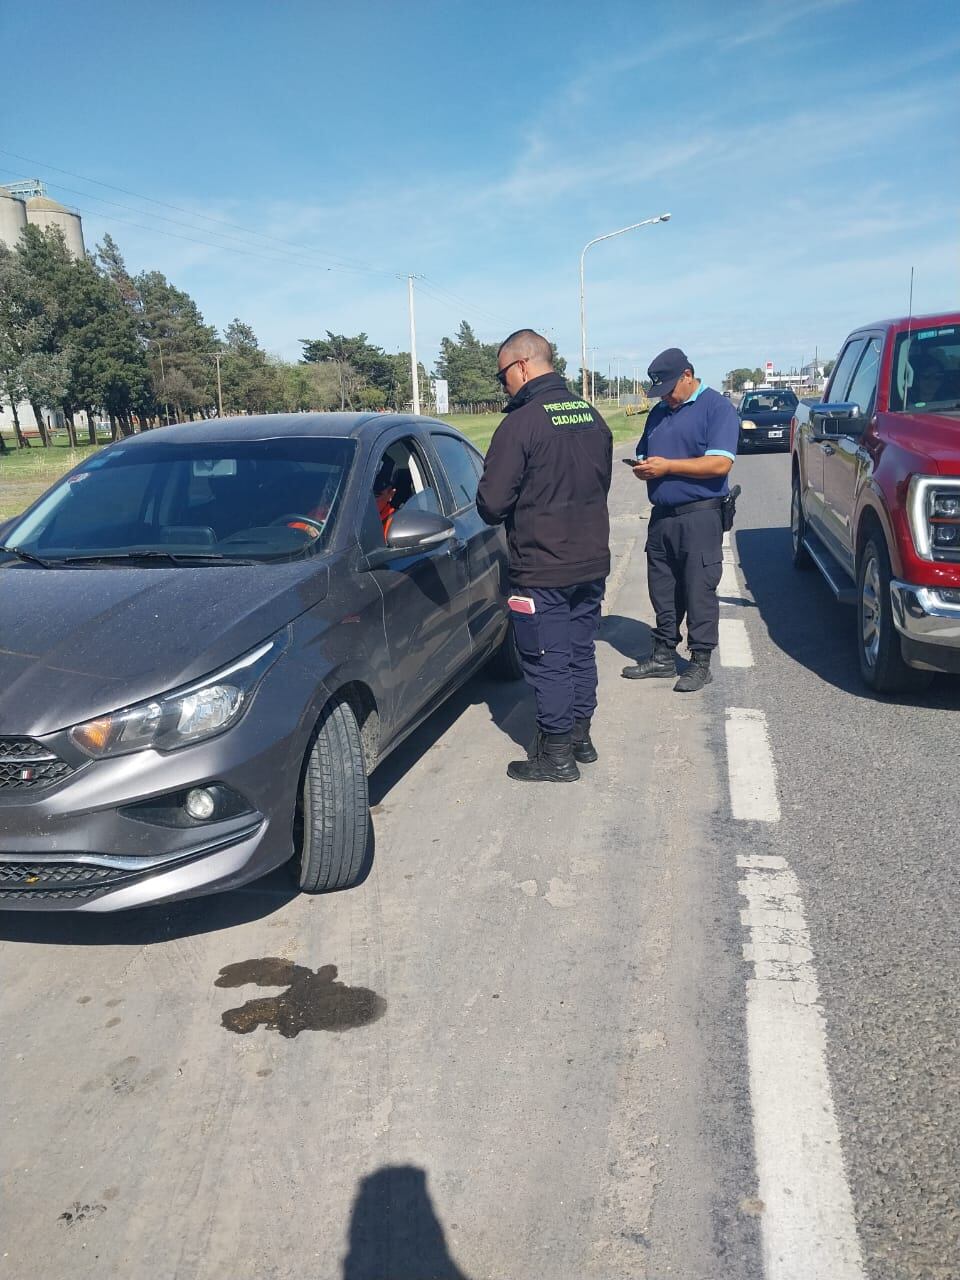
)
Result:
{"points": [[748, 425], [184, 716]]}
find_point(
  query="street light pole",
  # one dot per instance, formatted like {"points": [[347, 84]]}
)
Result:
{"points": [[661, 217], [216, 356], [414, 372]]}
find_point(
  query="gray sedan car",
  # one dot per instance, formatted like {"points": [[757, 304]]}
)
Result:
{"points": [[210, 634]]}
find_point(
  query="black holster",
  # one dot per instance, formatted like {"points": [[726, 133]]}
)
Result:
{"points": [[728, 508]]}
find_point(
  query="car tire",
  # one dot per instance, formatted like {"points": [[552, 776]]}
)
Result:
{"points": [[505, 663], [333, 813], [878, 641], [798, 527]]}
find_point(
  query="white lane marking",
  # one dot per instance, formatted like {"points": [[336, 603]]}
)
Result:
{"points": [[808, 1227], [751, 774], [729, 589], [735, 648]]}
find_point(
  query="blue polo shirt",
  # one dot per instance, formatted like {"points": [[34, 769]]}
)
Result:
{"points": [[703, 426]]}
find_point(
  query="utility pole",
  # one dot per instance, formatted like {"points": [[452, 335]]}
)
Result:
{"points": [[217, 355], [163, 380], [414, 372]]}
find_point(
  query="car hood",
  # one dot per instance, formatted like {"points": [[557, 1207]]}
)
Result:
{"points": [[75, 643]]}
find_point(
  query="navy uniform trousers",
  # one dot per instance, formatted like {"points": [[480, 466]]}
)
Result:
{"points": [[557, 647], [684, 563]]}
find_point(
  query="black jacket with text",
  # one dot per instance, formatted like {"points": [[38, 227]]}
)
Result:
{"points": [[546, 478]]}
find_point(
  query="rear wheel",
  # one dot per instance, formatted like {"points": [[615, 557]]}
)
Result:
{"points": [[333, 814], [798, 527], [878, 641]]}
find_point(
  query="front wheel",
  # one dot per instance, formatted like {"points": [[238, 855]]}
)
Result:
{"points": [[505, 663], [333, 813], [798, 527], [878, 641]]}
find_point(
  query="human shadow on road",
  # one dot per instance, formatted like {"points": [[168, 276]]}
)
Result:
{"points": [[395, 1233], [143, 925], [628, 636], [804, 619], [511, 708]]}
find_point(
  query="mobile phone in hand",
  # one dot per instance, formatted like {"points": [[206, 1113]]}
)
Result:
{"points": [[632, 462]]}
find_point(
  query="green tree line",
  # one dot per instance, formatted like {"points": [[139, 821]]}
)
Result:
{"points": [[85, 335]]}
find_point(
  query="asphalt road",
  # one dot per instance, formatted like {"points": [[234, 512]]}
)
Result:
{"points": [[552, 1075]]}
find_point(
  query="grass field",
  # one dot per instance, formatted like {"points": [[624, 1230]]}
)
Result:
{"points": [[26, 473]]}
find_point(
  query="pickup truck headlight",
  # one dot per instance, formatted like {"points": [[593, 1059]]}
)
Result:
{"points": [[933, 507], [747, 425], [182, 717]]}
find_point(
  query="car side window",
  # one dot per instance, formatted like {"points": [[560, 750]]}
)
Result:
{"points": [[863, 388], [844, 370], [461, 471], [401, 480]]}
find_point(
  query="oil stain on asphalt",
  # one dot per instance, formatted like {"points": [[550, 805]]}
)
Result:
{"points": [[313, 1001]]}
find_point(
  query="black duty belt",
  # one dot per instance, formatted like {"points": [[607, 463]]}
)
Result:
{"points": [[705, 504]]}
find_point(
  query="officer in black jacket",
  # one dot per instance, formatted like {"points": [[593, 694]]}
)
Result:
{"points": [[546, 478]]}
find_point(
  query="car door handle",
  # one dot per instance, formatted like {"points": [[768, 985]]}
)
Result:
{"points": [[828, 449]]}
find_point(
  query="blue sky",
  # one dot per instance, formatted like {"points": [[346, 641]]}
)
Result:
{"points": [[806, 149]]}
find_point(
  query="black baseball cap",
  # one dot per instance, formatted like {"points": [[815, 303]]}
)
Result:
{"points": [[665, 371]]}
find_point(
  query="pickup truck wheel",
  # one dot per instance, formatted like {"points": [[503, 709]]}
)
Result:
{"points": [[878, 641], [798, 527], [333, 816]]}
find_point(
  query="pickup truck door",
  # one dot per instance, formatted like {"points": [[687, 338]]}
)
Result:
{"points": [[846, 463], [820, 449]]}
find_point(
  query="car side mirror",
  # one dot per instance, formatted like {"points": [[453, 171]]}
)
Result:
{"points": [[412, 530], [842, 419]]}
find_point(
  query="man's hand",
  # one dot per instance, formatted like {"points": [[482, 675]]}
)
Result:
{"points": [[652, 468]]}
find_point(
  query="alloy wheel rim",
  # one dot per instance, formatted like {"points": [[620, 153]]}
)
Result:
{"points": [[870, 618], [795, 518]]}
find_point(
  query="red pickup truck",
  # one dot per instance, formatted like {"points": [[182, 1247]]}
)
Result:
{"points": [[876, 495]]}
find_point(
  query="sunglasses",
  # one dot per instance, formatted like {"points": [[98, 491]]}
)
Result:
{"points": [[502, 373]]}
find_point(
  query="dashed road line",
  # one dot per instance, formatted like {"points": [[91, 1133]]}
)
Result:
{"points": [[735, 648], [808, 1226], [729, 590], [750, 770]]}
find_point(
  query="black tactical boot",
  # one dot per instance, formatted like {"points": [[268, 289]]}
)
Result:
{"points": [[661, 663], [584, 752], [553, 762], [697, 673]]}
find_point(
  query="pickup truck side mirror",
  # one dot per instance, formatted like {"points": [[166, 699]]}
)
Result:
{"points": [[842, 419]]}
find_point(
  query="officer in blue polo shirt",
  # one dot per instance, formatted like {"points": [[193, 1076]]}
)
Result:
{"points": [[685, 454]]}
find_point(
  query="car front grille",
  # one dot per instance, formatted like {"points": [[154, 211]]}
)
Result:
{"points": [[25, 763], [58, 879]]}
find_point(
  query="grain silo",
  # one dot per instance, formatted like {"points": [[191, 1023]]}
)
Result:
{"points": [[44, 213], [13, 218]]}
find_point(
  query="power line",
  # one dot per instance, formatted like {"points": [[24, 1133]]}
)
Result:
{"points": [[164, 204], [176, 222]]}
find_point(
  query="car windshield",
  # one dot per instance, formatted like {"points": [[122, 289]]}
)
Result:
{"points": [[758, 401], [926, 370], [166, 503]]}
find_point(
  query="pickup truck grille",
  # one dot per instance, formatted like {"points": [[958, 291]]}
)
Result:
{"points": [[25, 763]]}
